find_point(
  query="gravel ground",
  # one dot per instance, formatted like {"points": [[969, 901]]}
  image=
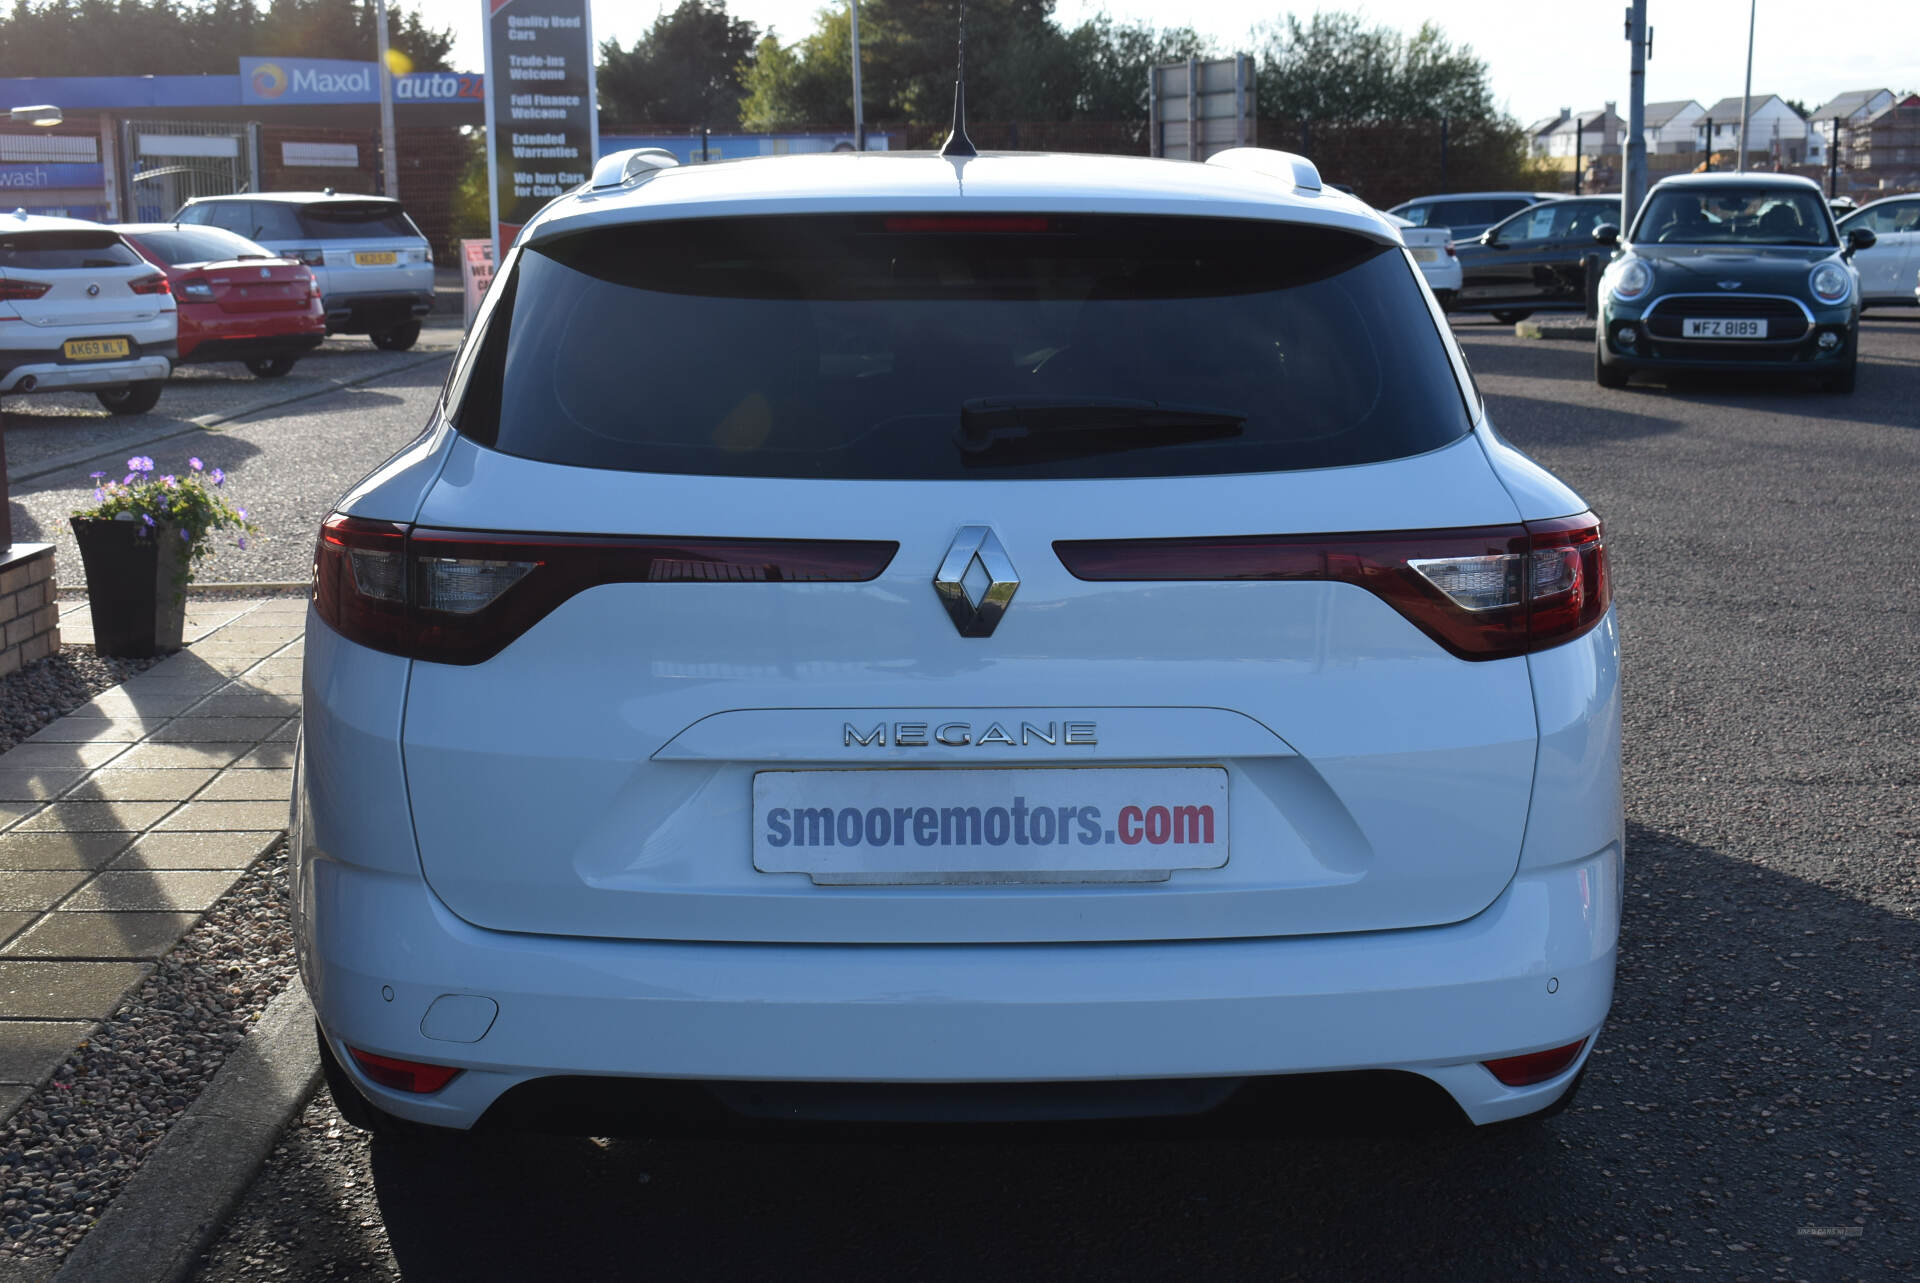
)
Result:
{"points": [[68, 1149], [53, 687]]}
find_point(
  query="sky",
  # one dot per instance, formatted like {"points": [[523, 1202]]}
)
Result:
{"points": [[1540, 57]]}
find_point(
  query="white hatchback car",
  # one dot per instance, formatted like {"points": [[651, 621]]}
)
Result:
{"points": [[81, 311], [883, 637]]}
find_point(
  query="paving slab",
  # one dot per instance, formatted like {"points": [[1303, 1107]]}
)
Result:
{"points": [[38, 891], [217, 730], [32, 1049], [101, 935], [10, 924], [196, 850], [173, 890], [59, 756], [93, 817], [239, 701], [141, 785], [29, 851], [236, 784], [168, 756], [64, 990], [268, 756], [217, 817], [76, 729], [146, 704], [31, 785], [14, 812]]}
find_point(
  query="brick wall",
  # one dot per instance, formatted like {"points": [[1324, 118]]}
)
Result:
{"points": [[29, 621]]}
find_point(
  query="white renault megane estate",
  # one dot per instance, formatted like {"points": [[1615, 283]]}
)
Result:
{"points": [[909, 639]]}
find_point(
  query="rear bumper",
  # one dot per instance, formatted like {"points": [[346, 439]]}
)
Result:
{"points": [[54, 375], [251, 348], [362, 313], [1534, 971]]}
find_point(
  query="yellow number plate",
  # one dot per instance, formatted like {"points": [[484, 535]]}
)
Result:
{"points": [[376, 258], [94, 349]]}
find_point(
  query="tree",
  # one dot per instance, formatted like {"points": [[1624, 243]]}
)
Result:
{"points": [[1338, 70], [687, 70], [1113, 64], [807, 83]]}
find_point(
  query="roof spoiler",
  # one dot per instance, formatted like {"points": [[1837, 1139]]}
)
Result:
{"points": [[619, 168], [1290, 167]]}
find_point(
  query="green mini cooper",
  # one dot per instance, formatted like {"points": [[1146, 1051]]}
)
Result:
{"points": [[1733, 272]]}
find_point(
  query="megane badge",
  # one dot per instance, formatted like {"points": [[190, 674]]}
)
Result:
{"points": [[976, 581], [1729, 285]]}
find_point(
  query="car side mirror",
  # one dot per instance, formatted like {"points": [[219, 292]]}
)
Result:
{"points": [[1489, 239], [1606, 234], [1858, 238]]}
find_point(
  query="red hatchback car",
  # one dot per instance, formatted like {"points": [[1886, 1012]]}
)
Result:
{"points": [[237, 300]]}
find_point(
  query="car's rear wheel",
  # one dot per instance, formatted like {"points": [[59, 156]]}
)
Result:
{"points": [[1606, 373], [1841, 380], [397, 339], [1511, 316], [271, 367], [135, 398], [366, 1115]]}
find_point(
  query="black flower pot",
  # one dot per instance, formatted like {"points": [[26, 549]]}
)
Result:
{"points": [[135, 586]]}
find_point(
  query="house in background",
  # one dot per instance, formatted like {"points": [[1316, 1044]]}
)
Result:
{"points": [[1835, 119], [1774, 129], [1587, 134], [1540, 130], [1886, 145], [1671, 128]]}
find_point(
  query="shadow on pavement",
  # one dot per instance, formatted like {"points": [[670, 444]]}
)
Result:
{"points": [[1747, 1087], [1535, 421]]}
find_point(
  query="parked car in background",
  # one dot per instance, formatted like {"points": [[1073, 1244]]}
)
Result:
{"points": [[1432, 249], [1466, 214], [81, 311], [1064, 647], [1888, 268], [1533, 261], [1732, 272], [237, 301], [374, 267]]}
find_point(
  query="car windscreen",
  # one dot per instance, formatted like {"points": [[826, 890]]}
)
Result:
{"points": [[54, 251], [342, 222], [177, 245], [937, 347], [1734, 214]]}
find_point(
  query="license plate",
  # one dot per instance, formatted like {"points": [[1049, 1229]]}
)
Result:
{"points": [[375, 258], [94, 349], [978, 827], [1718, 328], [1426, 256]]}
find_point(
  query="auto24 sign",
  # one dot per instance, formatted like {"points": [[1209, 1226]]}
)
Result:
{"points": [[542, 128]]}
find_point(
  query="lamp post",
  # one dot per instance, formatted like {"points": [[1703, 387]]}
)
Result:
{"points": [[859, 108], [1746, 93], [391, 166]]}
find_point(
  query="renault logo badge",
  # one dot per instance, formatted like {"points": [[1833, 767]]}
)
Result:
{"points": [[976, 581], [1729, 285]]}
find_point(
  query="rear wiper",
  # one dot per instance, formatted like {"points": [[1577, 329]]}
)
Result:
{"points": [[987, 422]]}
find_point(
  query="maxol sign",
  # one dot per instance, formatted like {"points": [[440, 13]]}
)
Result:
{"points": [[269, 82]]}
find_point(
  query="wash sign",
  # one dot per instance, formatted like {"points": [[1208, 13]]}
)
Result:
{"points": [[14, 177], [270, 82]]}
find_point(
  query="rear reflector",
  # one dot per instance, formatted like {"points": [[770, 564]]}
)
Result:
{"points": [[1487, 592], [1535, 1066], [461, 596], [404, 1075]]}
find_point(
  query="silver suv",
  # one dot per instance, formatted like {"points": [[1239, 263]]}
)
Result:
{"points": [[374, 266]]}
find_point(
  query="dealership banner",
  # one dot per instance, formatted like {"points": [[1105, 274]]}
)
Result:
{"points": [[269, 82], [542, 123]]}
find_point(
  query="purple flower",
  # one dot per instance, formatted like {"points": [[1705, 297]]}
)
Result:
{"points": [[99, 495], [243, 513], [96, 475], [140, 463], [194, 464], [219, 477], [243, 541], [127, 480], [147, 517], [184, 536]]}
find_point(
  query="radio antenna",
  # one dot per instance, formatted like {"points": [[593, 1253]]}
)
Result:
{"points": [[958, 144]]}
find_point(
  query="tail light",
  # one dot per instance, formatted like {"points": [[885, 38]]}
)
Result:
{"points": [[22, 289], [1451, 251], [404, 1075], [155, 284], [312, 283], [1483, 593], [1535, 1066], [461, 596]]}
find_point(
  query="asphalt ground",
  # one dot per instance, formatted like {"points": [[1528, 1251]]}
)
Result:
{"points": [[1749, 1111]]}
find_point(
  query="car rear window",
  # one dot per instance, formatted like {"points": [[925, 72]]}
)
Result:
{"points": [[935, 347], [1734, 213], [342, 222], [199, 245], [54, 251]]}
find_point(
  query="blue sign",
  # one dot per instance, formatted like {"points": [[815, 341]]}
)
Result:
{"points": [[268, 82], [21, 176]]}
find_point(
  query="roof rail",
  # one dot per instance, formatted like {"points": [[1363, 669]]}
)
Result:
{"points": [[617, 169], [1295, 169]]}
